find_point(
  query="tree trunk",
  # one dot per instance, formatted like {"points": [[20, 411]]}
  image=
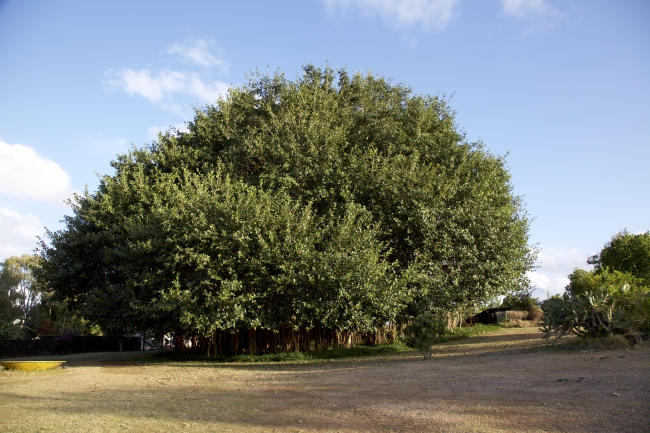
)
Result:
{"points": [[213, 340], [319, 338], [252, 343], [593, 323], [294, 338]]}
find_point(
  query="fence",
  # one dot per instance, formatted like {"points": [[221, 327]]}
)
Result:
{"points": [[65, 344]]}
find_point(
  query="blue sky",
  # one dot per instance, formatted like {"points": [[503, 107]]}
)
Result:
{"points": [[563, 86]]}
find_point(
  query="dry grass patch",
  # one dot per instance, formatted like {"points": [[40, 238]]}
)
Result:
{"points": [[506, 382], [615, 342], [522, 319], [516, 315], [519, 323]]}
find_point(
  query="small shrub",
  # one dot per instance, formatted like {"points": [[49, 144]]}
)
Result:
{"points": [[423, 331], [46, 328], [9, 331]]}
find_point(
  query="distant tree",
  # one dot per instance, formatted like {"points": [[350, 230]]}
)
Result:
{"points": [[9, 310], [612, 298], [626, 252], [583, 282], [19, 297], [522, 300]]}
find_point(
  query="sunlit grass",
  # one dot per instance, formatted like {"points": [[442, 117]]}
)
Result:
{"points": [[326, 354], [317, 355], [467, 332]]}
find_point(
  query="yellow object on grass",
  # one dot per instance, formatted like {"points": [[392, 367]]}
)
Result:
{"points": [[30, 365]]}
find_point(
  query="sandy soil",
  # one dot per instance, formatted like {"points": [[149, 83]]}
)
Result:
{"points": [[505, 382]]}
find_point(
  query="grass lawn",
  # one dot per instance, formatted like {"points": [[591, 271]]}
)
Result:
{"points": [[502, 381], [321, 355]]}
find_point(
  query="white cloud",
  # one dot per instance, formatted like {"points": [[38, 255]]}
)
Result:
{"points": [[555, 266], [524, 8], [160, 87], [163, 87], [26, 175], [153, 131], [154, 88], [198, 51], [401, 13], [18, 233]]}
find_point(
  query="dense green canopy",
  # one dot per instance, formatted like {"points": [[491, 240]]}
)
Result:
{"points": [[332, 200], [625, 252]]}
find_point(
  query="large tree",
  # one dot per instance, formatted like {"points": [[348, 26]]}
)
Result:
{"points": [[330, 201]]}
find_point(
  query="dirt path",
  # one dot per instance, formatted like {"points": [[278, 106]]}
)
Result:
{"points": [[503, 382]]}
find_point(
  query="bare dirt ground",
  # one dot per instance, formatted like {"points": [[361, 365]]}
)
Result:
{"points": [[503, 382]]}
